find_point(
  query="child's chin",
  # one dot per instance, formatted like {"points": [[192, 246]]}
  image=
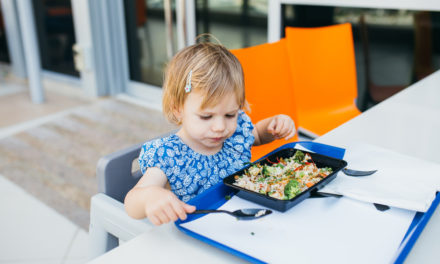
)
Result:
{"points": [[215, 143]]}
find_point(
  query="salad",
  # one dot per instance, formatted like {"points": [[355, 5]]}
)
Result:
{"points": [[283, 179]]}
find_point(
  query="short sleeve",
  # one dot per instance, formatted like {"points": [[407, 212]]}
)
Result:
{"points": [[151, 155], [243, 139]]}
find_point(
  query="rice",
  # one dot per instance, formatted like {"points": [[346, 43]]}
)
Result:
{"points": [[271, 179]]}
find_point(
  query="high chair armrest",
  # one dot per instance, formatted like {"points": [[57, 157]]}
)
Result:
{"points": [[109, 224]]}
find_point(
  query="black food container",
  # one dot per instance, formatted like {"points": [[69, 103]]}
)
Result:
{"points": [[283, 205]]}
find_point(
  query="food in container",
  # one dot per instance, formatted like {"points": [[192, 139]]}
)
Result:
{"points": [[284, 178]]}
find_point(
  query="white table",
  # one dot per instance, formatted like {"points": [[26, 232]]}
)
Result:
{"points": [[408, 122], [166, 244]]}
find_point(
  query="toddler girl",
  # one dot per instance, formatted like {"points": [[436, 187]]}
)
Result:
{"points": [[204, 95]]}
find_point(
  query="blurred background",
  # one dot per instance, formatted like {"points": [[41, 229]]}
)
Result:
{"points": [[98, 65], [402, 45]]}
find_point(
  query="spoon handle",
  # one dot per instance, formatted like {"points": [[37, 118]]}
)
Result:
{"points": [[357, 173], [209, 211]]}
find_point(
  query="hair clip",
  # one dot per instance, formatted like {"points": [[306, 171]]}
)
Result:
{"points": [[188, 82]]}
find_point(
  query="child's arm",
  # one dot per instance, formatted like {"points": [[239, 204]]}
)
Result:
{"points": [[149, 198], [275, 127]]}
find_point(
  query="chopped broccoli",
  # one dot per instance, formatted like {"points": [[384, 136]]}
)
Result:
{"points": [[299, 156], [329, 169], [280, 165], [261, 179], [268, 170], [291, 189]]}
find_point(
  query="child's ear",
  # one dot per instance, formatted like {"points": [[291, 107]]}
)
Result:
{"points": [[177, 111]]}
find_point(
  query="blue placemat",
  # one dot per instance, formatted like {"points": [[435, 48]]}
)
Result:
{"points": [[217, 195]]}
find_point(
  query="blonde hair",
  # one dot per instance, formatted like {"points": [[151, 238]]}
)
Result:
{"points": [[216, 72]]}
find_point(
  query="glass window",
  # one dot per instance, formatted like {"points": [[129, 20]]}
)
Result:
{"points": [[4, 53], [56, 35], [235, 23], [393, 47], [147, 40]]}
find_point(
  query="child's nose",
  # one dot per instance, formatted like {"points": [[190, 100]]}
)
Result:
{"points": [[219, 125]]}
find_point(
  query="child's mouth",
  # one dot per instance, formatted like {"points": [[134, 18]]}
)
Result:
{"points": [[217, 139]]}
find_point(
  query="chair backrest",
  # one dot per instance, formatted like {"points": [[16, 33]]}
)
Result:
{"points": [[268, 86], [115, 173], [323, 70]]}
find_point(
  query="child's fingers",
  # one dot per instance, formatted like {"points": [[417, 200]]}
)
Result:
{"points": [[179, 209], [162, 217], [291, 135], [154, 220], [272, 126], [189, 208], [281, 127], [289, 129], [171, 213]]}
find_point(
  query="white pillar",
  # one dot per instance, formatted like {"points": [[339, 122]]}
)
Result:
{"points": [[31, 50], [274, 21], [190, 22], [15, 45]]}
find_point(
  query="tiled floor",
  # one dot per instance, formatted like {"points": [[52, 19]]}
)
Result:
{"points": [[32, 232], [32, 229]]}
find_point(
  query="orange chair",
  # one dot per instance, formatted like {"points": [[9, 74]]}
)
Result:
{"points": [[323, 70], [268, 86]]}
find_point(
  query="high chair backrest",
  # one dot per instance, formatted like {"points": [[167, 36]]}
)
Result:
{"points": [[268, 86], [323, 70]]}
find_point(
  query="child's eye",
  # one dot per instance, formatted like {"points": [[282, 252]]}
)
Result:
{"points": [[231, 115], [203, 117]]}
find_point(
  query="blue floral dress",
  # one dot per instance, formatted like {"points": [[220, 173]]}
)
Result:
{"points": [[190, 173]]}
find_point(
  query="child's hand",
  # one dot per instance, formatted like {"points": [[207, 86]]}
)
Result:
{"points": [[282, 126], [162, 206]]}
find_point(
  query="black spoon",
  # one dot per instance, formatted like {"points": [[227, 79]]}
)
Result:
{"points": [[357, 173], [315, 194], [242, 214]]}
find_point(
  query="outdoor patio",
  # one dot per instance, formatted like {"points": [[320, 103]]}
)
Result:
{"points": [[48, 157]]}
